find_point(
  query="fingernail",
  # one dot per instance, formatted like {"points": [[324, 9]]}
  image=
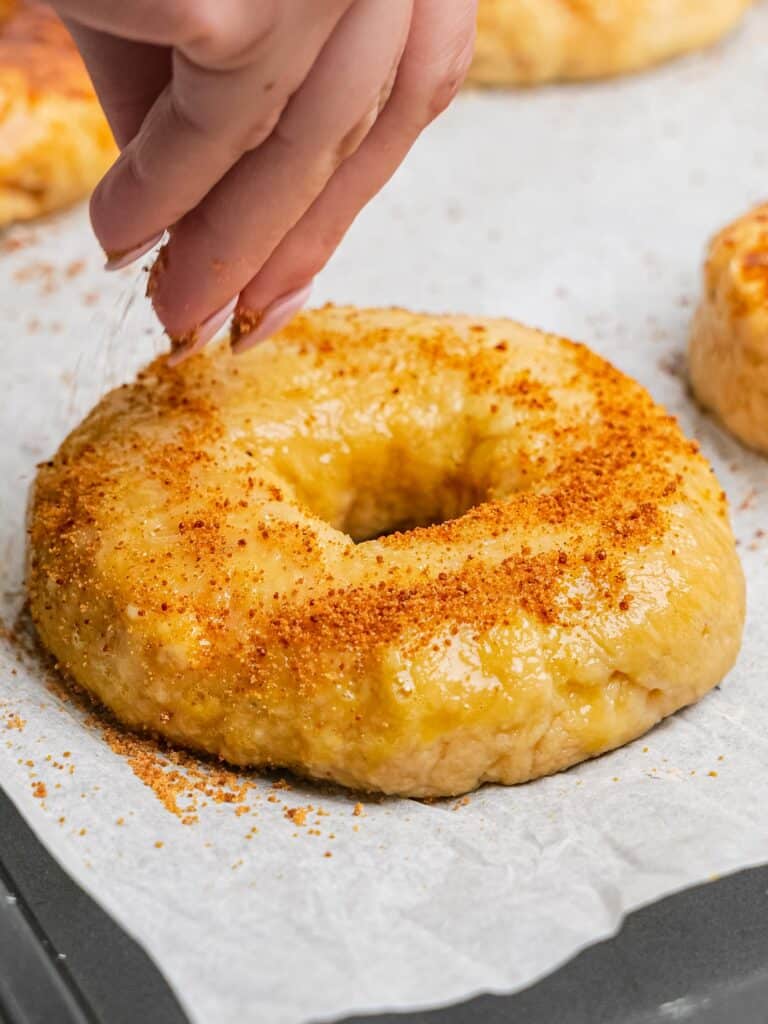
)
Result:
{"points": [[249, 327], [118, 260], [186, 345]]}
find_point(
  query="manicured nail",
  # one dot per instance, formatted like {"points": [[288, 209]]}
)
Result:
{"points": [[118, 260], [186, 345], [250, 327]]}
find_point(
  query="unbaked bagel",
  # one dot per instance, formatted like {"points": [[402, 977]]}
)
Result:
{"points": [[728, 352], [55, 143], [212, 555], [522, 42]]}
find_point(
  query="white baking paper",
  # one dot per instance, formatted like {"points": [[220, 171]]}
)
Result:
{"points": [[584, 210]]}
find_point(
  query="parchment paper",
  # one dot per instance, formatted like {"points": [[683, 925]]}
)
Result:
{"points": [[583, 210]]}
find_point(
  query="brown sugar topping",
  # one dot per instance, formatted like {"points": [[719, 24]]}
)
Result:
{"points": [[298, 815], [158, 267], [588, 487], [244, 322]]}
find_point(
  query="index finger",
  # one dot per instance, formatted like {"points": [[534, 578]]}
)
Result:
{"points": [[204, 121]]}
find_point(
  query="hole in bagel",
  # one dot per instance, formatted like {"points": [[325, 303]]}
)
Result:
{"points": [[393, 474], [380, 491], [371, 515]]}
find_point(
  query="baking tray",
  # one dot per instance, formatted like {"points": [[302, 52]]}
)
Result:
{"points": [[700, 956]]}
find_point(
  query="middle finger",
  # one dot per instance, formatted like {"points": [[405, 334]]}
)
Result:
{"points": [[221, 245]]}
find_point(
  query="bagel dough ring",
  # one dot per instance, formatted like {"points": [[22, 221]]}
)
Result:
{"points": [[728, 352], [524, 42], [193, 557], [55, 143]]}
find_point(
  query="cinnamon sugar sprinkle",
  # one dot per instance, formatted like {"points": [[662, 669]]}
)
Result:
{"points": [[617, 485], [158, 267], [244, 322], [598, 487], [298, 815], [183, 783]]}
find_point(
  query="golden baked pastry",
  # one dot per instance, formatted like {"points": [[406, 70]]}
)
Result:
{"points": [[522, 42], [728, 351], [55, 143], [211, 554]]}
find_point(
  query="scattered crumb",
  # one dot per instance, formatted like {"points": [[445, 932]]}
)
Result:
{"points": [[181, 782], [74, 268], [674, 364], [39, 791], [749, 500], [39, 272], [298, 815], [10, 245]]}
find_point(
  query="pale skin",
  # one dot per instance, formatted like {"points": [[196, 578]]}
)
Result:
{"points": [[255, 131]]}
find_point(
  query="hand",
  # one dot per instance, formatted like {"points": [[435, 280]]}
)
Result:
{"points": [[255, 131]]}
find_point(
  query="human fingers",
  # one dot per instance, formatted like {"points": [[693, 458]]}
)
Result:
{"points": [[434, 64], [206, 118], [217, 249]]}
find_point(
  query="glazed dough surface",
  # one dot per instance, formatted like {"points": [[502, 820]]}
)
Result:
{"points": [[211, 554], [728, 352], [55, 143], [530, 41]]}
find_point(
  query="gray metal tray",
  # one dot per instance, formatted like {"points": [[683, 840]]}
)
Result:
{"points": [[700, 956]]}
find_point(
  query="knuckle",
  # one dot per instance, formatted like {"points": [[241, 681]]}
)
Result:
{"points": [[259, 130], [136, 169], [387, 89], [351, 140], [444, 89], [185, 116], [217, 37], [448, 78], [200, 24], [317, 255]]}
